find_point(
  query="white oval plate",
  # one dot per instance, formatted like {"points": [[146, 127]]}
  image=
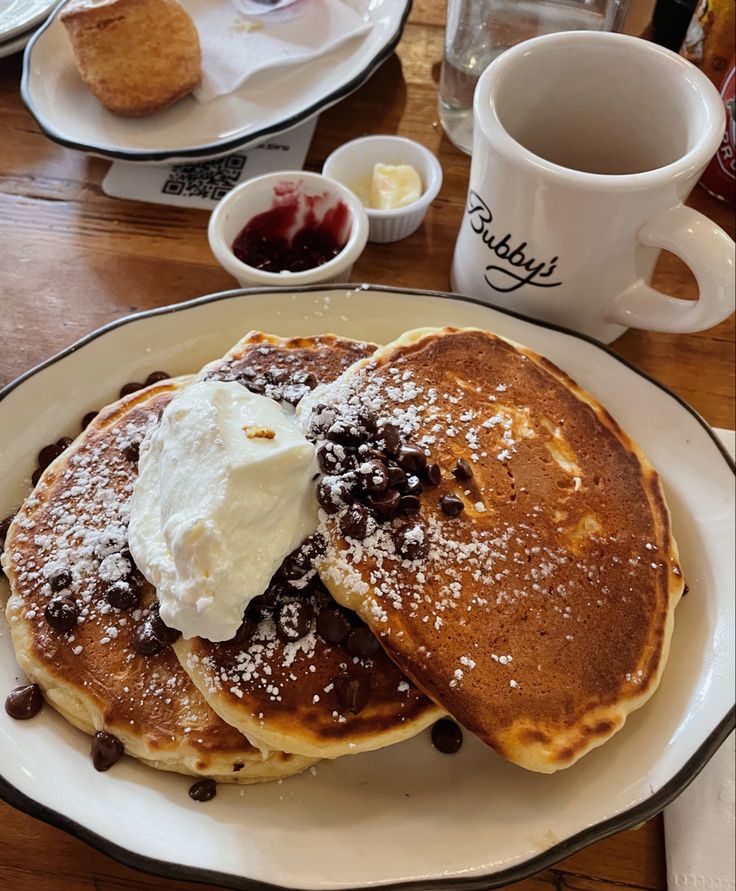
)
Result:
{"points": [[405, 816], [21, 15], [271, 102], [15, 44]]}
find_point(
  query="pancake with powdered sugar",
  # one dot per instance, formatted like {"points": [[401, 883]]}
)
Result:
{"points": [[508, 543], [113, 670], [301, 673]]}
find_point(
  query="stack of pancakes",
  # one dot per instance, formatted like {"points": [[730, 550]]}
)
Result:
{"points": [[490, 545]]}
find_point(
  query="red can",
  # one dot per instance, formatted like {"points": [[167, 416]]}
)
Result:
{"points": [[720, 175]]}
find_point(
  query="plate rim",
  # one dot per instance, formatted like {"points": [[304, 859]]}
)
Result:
{"points": [[30, 24], [214, 149], [633, 816], [15, 44]]}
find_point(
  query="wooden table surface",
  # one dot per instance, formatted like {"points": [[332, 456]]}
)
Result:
{"points": [[72, 259]]}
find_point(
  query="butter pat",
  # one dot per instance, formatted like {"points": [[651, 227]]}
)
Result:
{"points": [[394, 186], [224, 492]]}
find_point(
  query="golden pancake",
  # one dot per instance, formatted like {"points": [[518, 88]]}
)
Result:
{"points": [[531, 590], [136, 56], [67, 544], [302, 674], [286, 368]]}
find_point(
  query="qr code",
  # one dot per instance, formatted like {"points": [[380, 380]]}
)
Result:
{"points": [[211, 179]]}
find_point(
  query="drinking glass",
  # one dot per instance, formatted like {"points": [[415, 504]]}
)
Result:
{"points": [[479, 30]]}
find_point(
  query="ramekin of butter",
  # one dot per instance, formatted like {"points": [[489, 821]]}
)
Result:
{"points": [[289, 228], [396, 178]]}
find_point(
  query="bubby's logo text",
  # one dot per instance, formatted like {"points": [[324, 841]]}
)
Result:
{"points": [[500, 278]]}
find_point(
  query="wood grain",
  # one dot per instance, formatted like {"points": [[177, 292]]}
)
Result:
{"points": [[73, 259]]}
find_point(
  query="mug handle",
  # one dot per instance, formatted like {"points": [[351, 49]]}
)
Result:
{"points": [[710, 254]]}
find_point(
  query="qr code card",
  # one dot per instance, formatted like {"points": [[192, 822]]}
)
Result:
{"points": [[203, 184]]}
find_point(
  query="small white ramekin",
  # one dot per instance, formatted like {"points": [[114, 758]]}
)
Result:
{"points": [[257, 195], [354, 161]]}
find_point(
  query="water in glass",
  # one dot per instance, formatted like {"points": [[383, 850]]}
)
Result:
{"points": [[479, 30]]}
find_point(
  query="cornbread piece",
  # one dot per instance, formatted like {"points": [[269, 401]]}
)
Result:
{"points": [[531, 591], [301, 672], [84, 622], [137, 56]]}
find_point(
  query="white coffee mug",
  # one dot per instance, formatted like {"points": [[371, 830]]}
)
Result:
{"points": [[585, 146]]}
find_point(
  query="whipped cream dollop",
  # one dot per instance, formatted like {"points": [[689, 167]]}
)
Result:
{"points": [[224, 492]]}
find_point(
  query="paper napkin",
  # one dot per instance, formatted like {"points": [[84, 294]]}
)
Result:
{"points": [[699, 828], [234, 46], [699, 824], [205, 183]]}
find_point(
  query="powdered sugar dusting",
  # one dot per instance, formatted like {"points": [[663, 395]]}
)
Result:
{"points": [[548, 564]]}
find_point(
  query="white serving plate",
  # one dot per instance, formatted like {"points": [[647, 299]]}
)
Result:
{"points": [[15, 44], [268, 103], [20, 15], [405, 816]]}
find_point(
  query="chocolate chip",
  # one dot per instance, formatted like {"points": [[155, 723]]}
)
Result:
{"points": [[296, 565], [385, 504], [132, 452], [410, 504], [162, 632], [463, 470], [373, 476], [257, 385], [61, 613], [333, 493], [135, 577], [88, 418], [304, 379], [332, 625], [36, 476], [388, 435], [368, 420], [362, 642], [354, 522], [413, 486], [106, 750], [122, 595], [244, 633], [203, 790], [352, 692], [4, 527], [48, 454], [327, 460], [145, 642], [24, 702], [64, 442], [451, 505], [344, 433], [411, 459], [276, 375], [292, 394], [447, 737], [293, 620], [314, 546], [433, 474], [155, 377], [60, 579], [130, 387], [320, 419], [396, 477], [410, 542], [270, 598]]}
